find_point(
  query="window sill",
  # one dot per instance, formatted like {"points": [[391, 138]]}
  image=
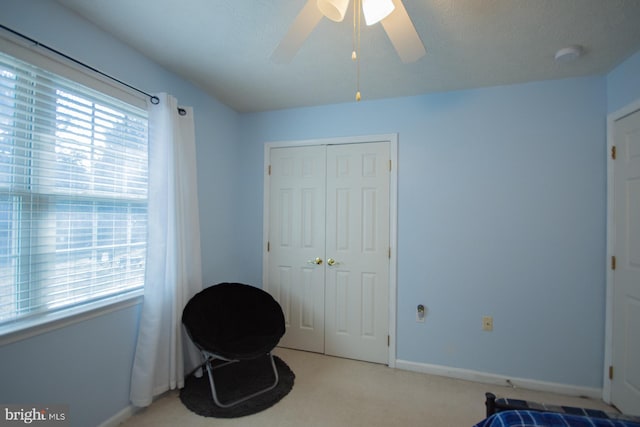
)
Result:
{"points": [[49, 322]]}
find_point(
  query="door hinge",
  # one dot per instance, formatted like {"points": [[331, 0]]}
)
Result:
{"points": [[389, 165], [269, 171], [268, 246], [610, 372], [388, 340], [613, 152], [613, 262], [389, 253]]}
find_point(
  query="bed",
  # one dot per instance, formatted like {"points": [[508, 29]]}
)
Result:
{"points": [[505, 412]]}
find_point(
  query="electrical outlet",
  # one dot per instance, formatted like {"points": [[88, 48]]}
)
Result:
{"points": [[487, 323]]}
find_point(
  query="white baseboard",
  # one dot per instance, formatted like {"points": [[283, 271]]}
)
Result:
{"points": [[488, 378], [120, 417]]}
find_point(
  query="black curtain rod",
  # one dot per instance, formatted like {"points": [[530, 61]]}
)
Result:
{"points": [[152, 98]]}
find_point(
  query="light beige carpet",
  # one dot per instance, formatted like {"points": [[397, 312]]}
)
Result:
{"points": [[334, 392]]}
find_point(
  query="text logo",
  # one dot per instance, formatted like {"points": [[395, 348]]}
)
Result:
{"points": [[34, 415]]}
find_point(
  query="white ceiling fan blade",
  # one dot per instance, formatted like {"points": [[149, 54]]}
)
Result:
{"points": [[304, 23], [403, 34]]}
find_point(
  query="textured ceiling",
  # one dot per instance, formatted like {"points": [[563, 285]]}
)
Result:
{"points": [[224, 46]]}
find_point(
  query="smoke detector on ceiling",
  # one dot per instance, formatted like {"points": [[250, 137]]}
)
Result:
{"points": [[569, 53]]}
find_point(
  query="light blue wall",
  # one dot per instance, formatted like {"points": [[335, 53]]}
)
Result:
{"points": [[623, 84], [501, 212], [88, 365]]}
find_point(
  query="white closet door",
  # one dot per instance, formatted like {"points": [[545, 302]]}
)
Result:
{"points": [[625, 385], [357, 251], [296, 274], [328, 259]]}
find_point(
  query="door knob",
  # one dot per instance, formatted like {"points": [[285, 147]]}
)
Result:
{"points": [[316, 261], [331, 261]]}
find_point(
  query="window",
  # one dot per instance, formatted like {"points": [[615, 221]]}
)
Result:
{"points": [[73, 195]]}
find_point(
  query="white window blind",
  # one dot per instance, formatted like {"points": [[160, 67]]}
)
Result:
{"points": [[73, 194]]}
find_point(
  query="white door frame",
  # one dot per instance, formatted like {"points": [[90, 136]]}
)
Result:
{"points": [[608, 330], [393, 214]]}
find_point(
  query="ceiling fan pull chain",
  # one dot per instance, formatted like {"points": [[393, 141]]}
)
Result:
{"points": [[357, 9], [354, 55]]}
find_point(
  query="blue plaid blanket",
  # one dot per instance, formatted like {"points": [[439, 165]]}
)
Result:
{"points": [[549, 419]]}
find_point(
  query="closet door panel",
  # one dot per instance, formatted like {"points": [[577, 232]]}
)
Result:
{"points": [[357, 251], [296, 270]]}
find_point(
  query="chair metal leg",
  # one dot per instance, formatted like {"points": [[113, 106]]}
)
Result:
{"points": [[210, 357]]}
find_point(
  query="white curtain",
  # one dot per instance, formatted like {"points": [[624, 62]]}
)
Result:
{"points": [[173, 270]]}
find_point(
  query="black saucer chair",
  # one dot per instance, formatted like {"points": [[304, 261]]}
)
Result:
{"points": [[233, 322]]}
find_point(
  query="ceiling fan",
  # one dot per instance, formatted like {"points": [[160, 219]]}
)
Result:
{"points": [[390, 13]]}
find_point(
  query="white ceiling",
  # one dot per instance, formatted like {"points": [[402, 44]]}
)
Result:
{"points": [[224, 46]]}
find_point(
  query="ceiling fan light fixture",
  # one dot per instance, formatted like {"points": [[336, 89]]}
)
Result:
{"points": [[333, 9], [376, 10]]}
